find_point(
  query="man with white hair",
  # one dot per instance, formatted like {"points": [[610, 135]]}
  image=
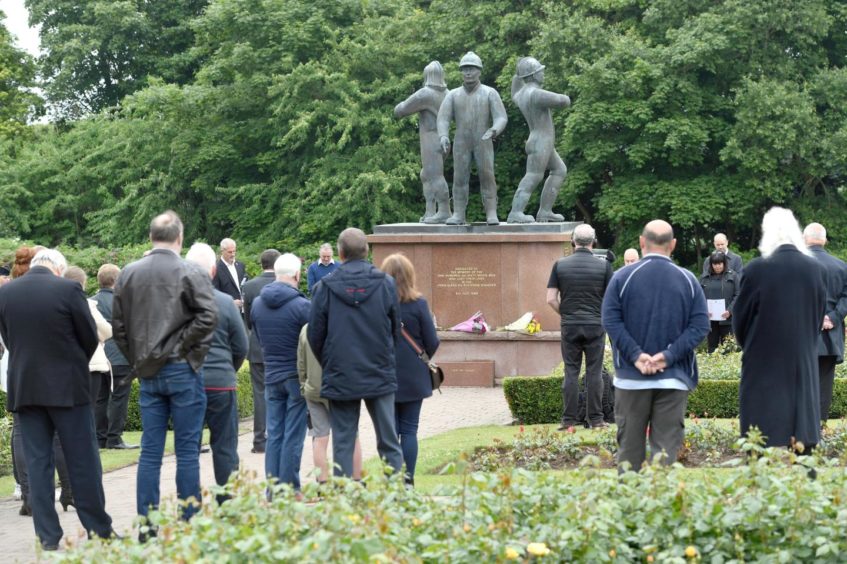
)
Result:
{"points": [[46, 322], [230, 274], [324, 266], [630, 256], [278, 315], [163, 317], [831, 336], [226, 353], [777, 320], [655, 313], [575, 291], [734, 261]]}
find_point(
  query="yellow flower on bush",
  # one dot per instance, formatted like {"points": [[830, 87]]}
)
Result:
{"points": [[537, 549], [512, 554], [353, 518], [690, 552], [613, 553], [467, 528]]}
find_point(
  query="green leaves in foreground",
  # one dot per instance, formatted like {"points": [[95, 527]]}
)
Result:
{"points": [[761, 511]]}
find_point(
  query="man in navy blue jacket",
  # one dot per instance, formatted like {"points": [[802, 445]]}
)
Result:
{"points": [[353, 331], [278, 315], [655, 314]]}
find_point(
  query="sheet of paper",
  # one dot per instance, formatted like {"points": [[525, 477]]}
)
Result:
{"points": [[716, 309]]}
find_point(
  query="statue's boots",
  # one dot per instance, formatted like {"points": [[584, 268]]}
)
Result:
{"points": [[458, 217], [490, 205], [549, 217], [518, 217], [443, 212]]}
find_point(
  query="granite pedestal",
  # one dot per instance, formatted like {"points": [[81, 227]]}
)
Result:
{"points": [[501, 270]]}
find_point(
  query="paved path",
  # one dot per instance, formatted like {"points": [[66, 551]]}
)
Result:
{"points": [[455, 408]]}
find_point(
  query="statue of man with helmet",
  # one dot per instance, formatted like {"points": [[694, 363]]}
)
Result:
{"points": [[480, 117], [425, 102], [535, 104]]}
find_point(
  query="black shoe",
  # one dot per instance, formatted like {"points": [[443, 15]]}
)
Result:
{"points": [[66, 499], [600, 425], [204, 448], [122, 446], [144, 536], [258, 450], [26, 510], [46, 546], [101, 444], [566, 426]]}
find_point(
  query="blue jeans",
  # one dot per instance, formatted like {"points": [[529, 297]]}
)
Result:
{"points": [[407, 415], [175, 393], [222, 419], [286, 411]]}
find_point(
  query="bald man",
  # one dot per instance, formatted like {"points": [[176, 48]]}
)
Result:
{"points": [[655, 315], [831, 338], [630, 256], [734, 261]]}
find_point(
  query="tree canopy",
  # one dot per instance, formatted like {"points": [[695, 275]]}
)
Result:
{"points": [[271, 120]]}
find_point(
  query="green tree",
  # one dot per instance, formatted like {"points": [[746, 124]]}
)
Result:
{"points": [[98, 51], [18, 102]]}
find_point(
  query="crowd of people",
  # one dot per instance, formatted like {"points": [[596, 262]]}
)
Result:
{"points": [[184, 327], [786, 311]]}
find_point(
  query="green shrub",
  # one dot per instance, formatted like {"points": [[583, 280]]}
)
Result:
{"points": [[534, 400], [765, 511], [5, 443]]}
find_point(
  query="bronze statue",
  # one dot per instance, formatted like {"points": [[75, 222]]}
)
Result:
{"points": [[480, 117], [425, 102], [535, 104]]}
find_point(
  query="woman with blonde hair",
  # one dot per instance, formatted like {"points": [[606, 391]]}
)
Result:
{"points": [[413, 379]]}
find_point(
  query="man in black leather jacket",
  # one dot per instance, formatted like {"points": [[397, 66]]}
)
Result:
{"points": [[163, 316], [575, 291]]}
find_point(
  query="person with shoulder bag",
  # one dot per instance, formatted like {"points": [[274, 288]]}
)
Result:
{"points": [[414, 382]]}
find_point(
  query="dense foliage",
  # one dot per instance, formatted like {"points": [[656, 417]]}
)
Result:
{"points": [[272, 120], [763, 511]]}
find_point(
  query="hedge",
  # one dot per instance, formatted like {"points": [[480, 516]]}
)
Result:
{"points": [[534, 400]]}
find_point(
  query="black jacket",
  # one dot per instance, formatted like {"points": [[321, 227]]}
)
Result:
{"points": [[163, 309], [831, 343], [413, 379], [721, 286], [353, 330], [50, 335], [223, 281], [250, 291], [581, 279], [777, 319]]}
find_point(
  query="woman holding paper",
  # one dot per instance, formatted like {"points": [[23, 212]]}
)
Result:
{"points": [[721, 288]]}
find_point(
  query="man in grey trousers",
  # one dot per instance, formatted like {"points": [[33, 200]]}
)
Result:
{"points": [[655, 315]]}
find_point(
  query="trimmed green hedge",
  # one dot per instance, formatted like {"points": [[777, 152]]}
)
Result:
{"points": [[534, 400]]}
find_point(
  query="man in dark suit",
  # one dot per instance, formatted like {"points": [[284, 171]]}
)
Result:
{"points": [[250, 291], [735, 263], [46, 323], [831, 338], [229, 273]]}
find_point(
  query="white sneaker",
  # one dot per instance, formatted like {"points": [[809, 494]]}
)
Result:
{"points": [[18, 495]]}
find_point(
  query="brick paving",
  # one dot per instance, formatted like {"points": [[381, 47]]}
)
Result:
{"points": [[455, 408]]}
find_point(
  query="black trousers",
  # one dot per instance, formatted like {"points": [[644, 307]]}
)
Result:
{"points": [[579, 341], [663, 411], [19, 462], [257, 378], [112, 404], [75, 426], [826, 366], [717, 333]]}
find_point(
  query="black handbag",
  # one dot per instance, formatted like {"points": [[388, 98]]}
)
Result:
{"points": [[436, 374]]}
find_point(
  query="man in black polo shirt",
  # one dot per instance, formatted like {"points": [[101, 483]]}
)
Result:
{"points": [[575, 291]]}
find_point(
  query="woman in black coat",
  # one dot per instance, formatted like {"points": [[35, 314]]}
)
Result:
{"points": [[413, 379], [720, 283], [777, 319]]}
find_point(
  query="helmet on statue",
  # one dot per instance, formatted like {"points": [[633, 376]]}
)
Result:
{"points": [[528, 66], [471, 59]]}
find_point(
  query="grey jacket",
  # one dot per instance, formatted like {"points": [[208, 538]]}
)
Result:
{"points": [[229, 346], [163, 310]]}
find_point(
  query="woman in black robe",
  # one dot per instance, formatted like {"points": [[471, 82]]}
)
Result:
{"points": [[776, 319]]}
